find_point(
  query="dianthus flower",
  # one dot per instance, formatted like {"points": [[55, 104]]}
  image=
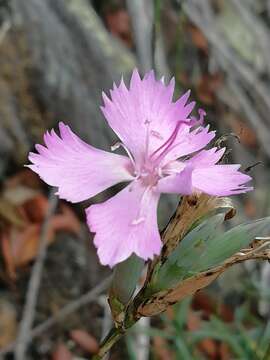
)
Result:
{"points": [[165, 153]]}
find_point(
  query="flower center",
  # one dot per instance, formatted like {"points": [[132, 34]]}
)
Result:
{"points": [[149, 171], [149, 174]]}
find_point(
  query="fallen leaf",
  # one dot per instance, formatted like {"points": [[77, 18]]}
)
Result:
{"points": [[62, 353], [207, 87], [118, 22], [66, 221], [24, 177], [25, 244], [193, 321], [161, 349], [20, 245], [198, 38], [224, 352], [36, 208], [85, 340], [207, 346], [8, 323], [250, 208], [202, 301], [19, 194], [7, 255], [246, 134], [11, 214]]}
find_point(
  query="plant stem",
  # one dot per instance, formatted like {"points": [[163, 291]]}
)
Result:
{"points": [[267, 353], [113, 336]]}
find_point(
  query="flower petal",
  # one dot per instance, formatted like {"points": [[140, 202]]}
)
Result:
{"points": [[207, 157], [79, 170], [177, 184], [126, 224], [188, 142], [220, 180], [144, 110]]}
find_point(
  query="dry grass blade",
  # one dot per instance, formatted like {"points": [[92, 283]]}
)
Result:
{"points": [[33, 287]]}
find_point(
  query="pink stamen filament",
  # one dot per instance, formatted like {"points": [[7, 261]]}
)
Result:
{"points": [[195, 121], [165, 147]]}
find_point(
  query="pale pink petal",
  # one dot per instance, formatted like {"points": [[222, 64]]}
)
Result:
{"points": [[126, 224], [79, 170], [145, 110], [180, 183], [220, 180], [188, 142], [207, 157]]}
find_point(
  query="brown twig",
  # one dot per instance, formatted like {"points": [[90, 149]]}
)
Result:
{"points": [[73, 306], [34, 284]]}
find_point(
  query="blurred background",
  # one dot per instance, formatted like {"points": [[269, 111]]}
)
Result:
{"points": [[56, 56]]}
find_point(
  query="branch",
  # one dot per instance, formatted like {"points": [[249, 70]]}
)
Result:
{"points": [[34, 284], [70, 308]]}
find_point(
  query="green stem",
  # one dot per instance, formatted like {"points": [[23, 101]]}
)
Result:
{"points": [[267, 353], [113, 336]]}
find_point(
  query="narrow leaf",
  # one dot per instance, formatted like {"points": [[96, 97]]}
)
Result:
{"points": [[231, 242]]}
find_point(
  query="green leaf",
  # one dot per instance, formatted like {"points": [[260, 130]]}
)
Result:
{"points": [[232, 241], [125, 278], [180, 262], [205, 247]]}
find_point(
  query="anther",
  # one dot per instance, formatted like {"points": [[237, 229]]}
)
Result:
{"points": [[156, 134]]}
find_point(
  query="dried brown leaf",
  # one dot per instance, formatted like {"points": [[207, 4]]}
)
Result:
{"points": [[85, 340], [161, 300], [118, 23], [10, 214], [7, 255], [36, 208], [8, 323], [198, 38], [207, 345], [66, 221], [62, 353], [19, 194], [25, 243], [25, 177], [20, 245], [161, 349]]}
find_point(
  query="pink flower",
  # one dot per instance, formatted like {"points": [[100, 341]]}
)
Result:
{"points": [[164, 148]]}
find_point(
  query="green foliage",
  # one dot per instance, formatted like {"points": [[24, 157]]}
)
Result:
{"points": [[125, 278], [205, 247], [247, 337]]}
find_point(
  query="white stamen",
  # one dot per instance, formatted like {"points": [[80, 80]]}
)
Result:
{"points": [[117, 145], [138, 221], [147, 123], [171, 171], [160, 172]]}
